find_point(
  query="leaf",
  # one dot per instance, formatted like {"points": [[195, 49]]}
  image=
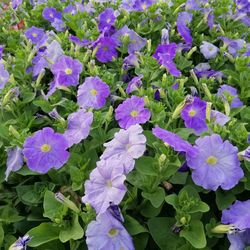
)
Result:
{"points": [[9, 214], [43, 233], [224, 199], [194, 234], [133, 226], [1, 234], [172, 199], [156, 198], [140, 241], [149, 211], [146, 165]]}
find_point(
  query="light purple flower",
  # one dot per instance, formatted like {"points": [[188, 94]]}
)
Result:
{"points": [[106, 19], [164, 36], [1, 51], [93, 93], [195, 4], [70, 9], [174, 141], [105, 185], [131, 112], [204, 70], [230, 93], [216, 164], [34, 34], [208, 50], [209, 17], [183, 19], [45, 150], [58, 24], [233, 45], [4, 76], [50, 14], [219, 118], [130, 61], [66, 71], [194, 115], [14, 161], [16, 3], [78, 126], [79, 42], [21, 243], [165, 55], [239, 240], [106, 232], [142, 5], [134, 84]]}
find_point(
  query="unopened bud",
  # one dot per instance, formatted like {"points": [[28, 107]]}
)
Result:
{"points": [[67, 202]]}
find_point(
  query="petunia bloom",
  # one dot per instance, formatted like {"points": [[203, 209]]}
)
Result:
{"points": [[134, 84], [131, 112], [194, 115], [78, 126], [219, 118], [92, 93], [130, 61], [106, 232], [183, 19], [239, 240], [204, 70], [4, 76], [45, 150], [106, 19], [50, 14], [105, 185], [216, 164], [34, 34], [208, 50]]}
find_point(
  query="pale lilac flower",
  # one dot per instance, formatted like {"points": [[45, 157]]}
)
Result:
{"points": [[93, 93], [21, 243], [50, 14], [4, 76], [130, 61], [183, 19], [16, 3], [164, 36], [233, 45], [219, 118], [204, 70], [208, 50], [105, 185], [239, 240], [134, 84], [106, 19], [216, 164], [34, 34], [142, 5], [58, 24]]}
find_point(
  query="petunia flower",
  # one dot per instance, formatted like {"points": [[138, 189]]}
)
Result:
{"points": [[183, 19], [208, 50], [233, 45], [204, 70], [45, 150], [142, 5], [239, 240], [219, 118], [105, 185], [34, 34], [50, 14], [134, 84], [4, 76], [93, 93], [107, 19], [194, 115], [131, 112], [216, 164], [20, 243], [130, 61], [78, 126], [106, 232]]}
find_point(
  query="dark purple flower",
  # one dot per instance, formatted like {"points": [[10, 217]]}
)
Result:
{"points": [[216, 164], [165, 55], [208, 50], [45, 150], [106, 19], [51, 14], [92, 93], [157, 95], [183, 19], [4, 76], [219, 118], [131, 112], [194, 115], [66, 71], [130, 61], [79, 42], [78, 126], [106, 184], [34, 34], [115, 211], [134, 84], [106, 232], [230, 93], [174, 141]]}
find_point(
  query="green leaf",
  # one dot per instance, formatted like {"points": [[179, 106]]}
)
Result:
{"points": [[77, 177], [43, 233], [9, 214], [224, 199], [172, 199], [133, 226], [44, 105], [1, 234], [149, 211], [140, 241], [156, 198], [146, 165], [194, 234]]}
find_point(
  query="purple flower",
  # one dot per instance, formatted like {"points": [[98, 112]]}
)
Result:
{"points": [[16, 3], [183, 19], [34, 34], [209, 17], [106, 19], [51, 14], [165, 55], [204, 70], [164, 36], [21, 243], [216, 164], [233, 45], [106, 49], [127, 144], [134, 84], [14, 161], [208, 50], [132, 112], [70, 9], [4, 76], [142, 5], [136, 43], [194, 115], [1, 51], [45, 150], [92, 93], [58, 24], [230, 93], [79, 42], [239, 240], [106, 232], [128, 5], [66, 71], [174, 141], [130, 61], [78, 126], [219, 118], [195, 4], [106, 184]]}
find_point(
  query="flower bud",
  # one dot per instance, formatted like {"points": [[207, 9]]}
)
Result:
{"points": [[220, 229], [67, 202]]}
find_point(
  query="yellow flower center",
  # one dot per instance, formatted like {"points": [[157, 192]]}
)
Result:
{"points": [[211, 160], [45, 148], [192, 112], [134, 113], [109, 184], [68, 71], [93, 92], [34, 34], [113, 232], [105, 48]]}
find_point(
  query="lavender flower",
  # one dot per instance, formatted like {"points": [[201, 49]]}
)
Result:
{"points": [[79, 42], [204, 70], [174, 141], [131, 112], [66, 71], [93, 93], [208, 50], [50, 14], [4, 76], [230, 93], [14, 161], [106, 19], [194, 115], [164, 36], [219, 118], [34, 34], [58, 24], [245, 154], [216, 164], [183, 19], [134, 84], [106, 184], [239, 240], [16, 3], [130, 61], [78, 126], [21, 243], [45, 150], [1, 51], [142, 5], [233, 45], [195, 4], [209, 17], [70, 9], [107, 233]]}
